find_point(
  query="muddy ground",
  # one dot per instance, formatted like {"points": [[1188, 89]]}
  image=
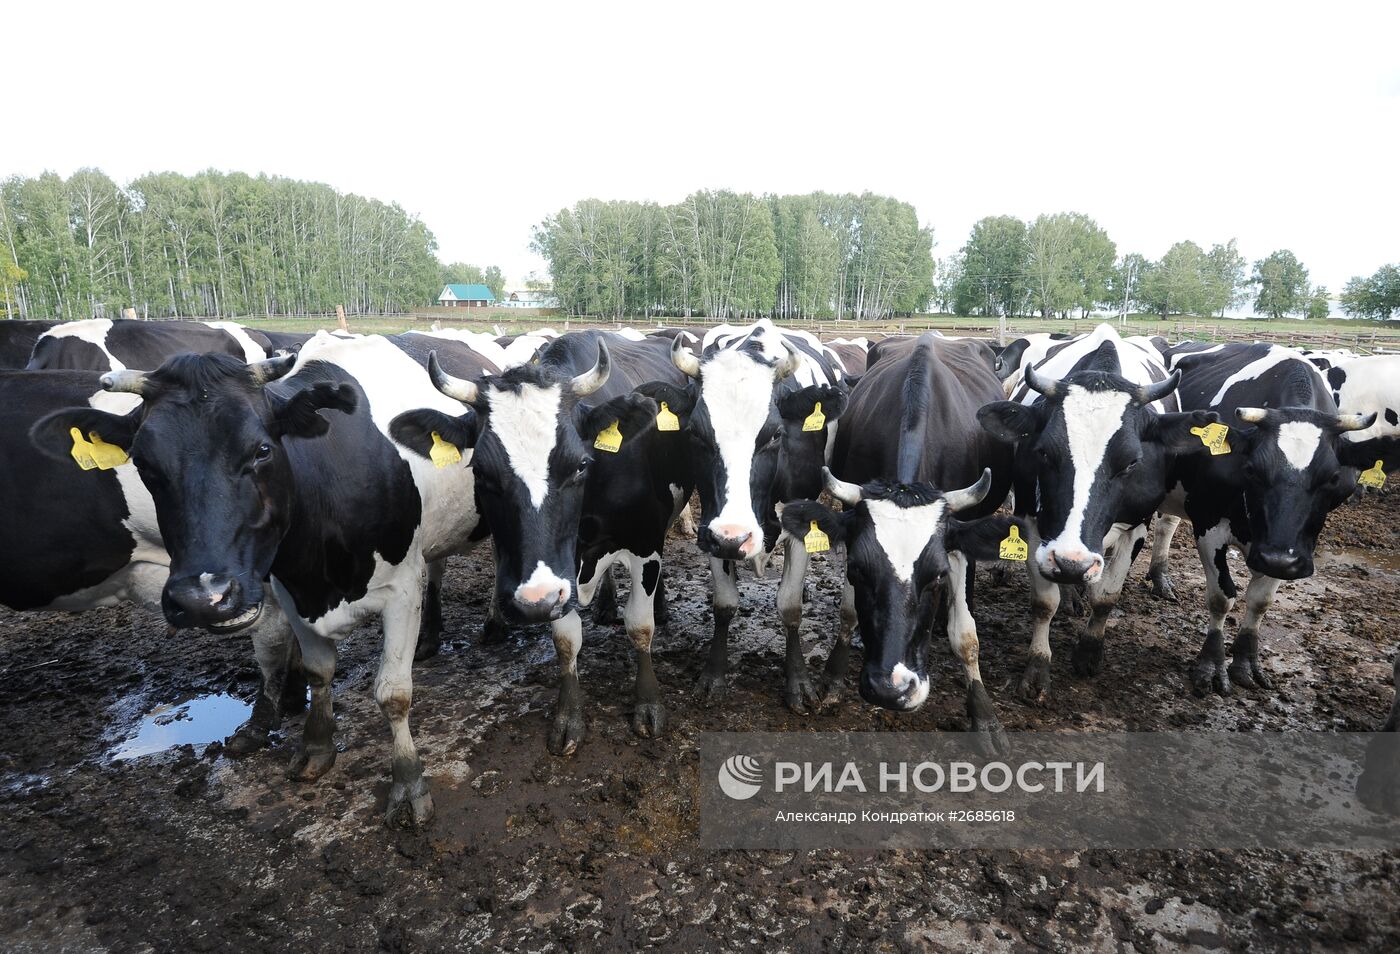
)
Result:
{"points": [[186, 850]]}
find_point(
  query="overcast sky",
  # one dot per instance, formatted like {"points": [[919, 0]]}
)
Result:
{"points": [[1278, 126]]}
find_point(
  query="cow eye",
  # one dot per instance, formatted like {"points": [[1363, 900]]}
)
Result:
{"points": [[263, 453], [582, 466]]}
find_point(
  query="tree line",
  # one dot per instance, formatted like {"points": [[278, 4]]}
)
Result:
{"points": [[1376, 296], [730, 255], [211, 244]]}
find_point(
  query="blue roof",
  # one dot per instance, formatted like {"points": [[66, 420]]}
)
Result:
{"points": [[470, 292]]}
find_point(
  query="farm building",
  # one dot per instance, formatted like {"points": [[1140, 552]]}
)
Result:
{"points": [[466, 296], [530, 298]]}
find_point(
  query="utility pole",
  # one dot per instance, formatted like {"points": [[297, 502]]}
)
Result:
{"points": [[1127, 288]]}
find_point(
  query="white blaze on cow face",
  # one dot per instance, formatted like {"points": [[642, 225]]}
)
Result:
{"points": [[1091, 418], [737, 391], [543, 584], [524, 421], [904, 532], [1298, 440]]}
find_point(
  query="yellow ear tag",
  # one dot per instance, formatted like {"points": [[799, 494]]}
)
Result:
{"points": [[815, 420], [105, 456], [1213, 436], [815, 541], [1013, 547], [1375, 477], [666, 420], [444, 453], [82, 450], [609, 439]]}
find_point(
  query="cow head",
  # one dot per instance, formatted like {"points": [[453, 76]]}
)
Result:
{"points": [[207, 440], [1092, 451], [897, 538], [533, 442], [746, 432], [1294, 468]]}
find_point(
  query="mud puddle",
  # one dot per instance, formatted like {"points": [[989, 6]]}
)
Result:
{"points": [[197, 721]]}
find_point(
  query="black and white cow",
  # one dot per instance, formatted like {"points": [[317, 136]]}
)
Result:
{"points": [[17, 339], [1031, 349], [560, 508], [102, 344], [909, 428], [753, 448], [1370, 385], [284, 470], [75, 539], [1289, 465], [1096, 429]]}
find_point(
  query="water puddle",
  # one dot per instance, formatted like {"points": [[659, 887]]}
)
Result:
{"points": [[1387, 561], [198, 721]]}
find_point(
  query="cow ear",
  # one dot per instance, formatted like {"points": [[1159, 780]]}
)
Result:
{"points": [[980, 539], [1364, 454], [634, 413], [800, 405], [52, 434], [1008, 421], [679, 401], [798, 516], [296, 416], [1173, 430], [415, 429]]}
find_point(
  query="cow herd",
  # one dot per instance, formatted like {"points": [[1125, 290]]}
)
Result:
{"points": [[289, 486]]}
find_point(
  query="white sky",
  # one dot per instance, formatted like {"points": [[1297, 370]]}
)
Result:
{"points": [[1276, 124]]}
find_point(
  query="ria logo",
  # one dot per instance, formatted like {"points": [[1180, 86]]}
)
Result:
{"points": [[740, 777]]}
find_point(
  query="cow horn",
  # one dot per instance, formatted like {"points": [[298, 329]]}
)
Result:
{"points": [[269, 370], [1355, 422], [1149, 393], [959, 500], [596, 376], [124, 381], [682, 358], [791, 363], [1252, 415], [459, 389], [848, 494], [1050, 387]]}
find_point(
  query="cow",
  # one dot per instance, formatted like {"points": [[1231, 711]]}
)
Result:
{"points": [[17, 338], [1369, 385], [909, 428], [1023, 351], [103, 344], [568, 488], [78, 531], [761, 420], [1285, 464], [282, 471], [1096, 427]]}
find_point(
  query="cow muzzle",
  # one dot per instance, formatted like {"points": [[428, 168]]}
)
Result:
{"points": [[901, 689], [1281, 563], [729, 541], [1069, 564], [540, 601], [214, 602]]}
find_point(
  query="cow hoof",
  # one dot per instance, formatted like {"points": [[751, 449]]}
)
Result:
{"points": [[990, 740], [1248, 673], [1035, 681], [605, 616], [832, 689], [427, 648], [1160, 585], [1379, 784], [712, 686], [1209, 675], [801, 696], [566, 733], [494, 632], [309, 766], [1087, 659], [410, 806], [246, 740], [649, 720]]}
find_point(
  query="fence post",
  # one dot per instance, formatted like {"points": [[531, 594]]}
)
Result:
{"points": [[1001, 330], [340, 317]]}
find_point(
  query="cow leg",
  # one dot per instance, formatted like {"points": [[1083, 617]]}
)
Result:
{"points": [[273, 642], [834, 674], [410, 804], [1379, 784], [568, 727], [1045, 600], [1163, 529], [605, 600], [495, 630], [1120, 547], [962, 639], [724, 578], [661, 608], [799, 694], [1072, 598], [317, 752], [1209, 672], [1245, 669], [648, 714], [430, 639]]}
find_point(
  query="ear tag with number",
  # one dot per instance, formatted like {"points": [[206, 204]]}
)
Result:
{"points": [[1374, 477], [1013, 547], [815, 541], [666, 420], [444, 453], [1213, 436], [816, 420], [82, 450], [106, 456], [609, 439]]}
